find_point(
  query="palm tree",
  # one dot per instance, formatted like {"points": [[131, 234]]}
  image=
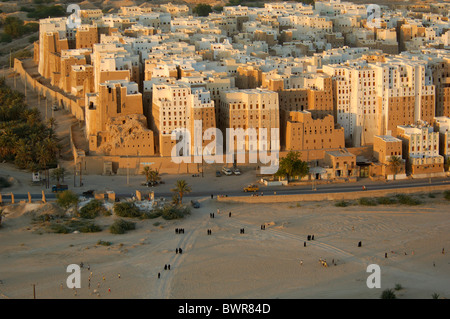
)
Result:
{"points": [[154, 176], [395, 163], [147, 172], [181, 188]]}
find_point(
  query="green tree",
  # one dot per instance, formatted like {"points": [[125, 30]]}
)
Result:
{"points": [[292, 165], [395, 163], [181, 188], [67, 199], [202, 10], [59, 173]]}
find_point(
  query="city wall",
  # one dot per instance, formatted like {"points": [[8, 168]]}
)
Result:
{"points": [[332, 196], [74, 106]]}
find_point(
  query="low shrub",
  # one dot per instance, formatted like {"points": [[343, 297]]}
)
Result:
{"points": [[93, 209], [408, 200], [388, 294], [127, 210], [104, 243], [74, 225], [367, 201], [386, 200], [170, 212], [121, 226], [341, 203], [447, 195]]}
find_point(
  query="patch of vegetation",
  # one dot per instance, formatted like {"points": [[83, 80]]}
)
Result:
{"points": [[447, 195], [127, 209], [24, 139], [388, 294], [386, 200], [365, 201], [42, 12], [435, 296], [104, 243], [121, 226], [341, 203], [4, 183], [156, 224], [408, 200], [93, 209], [202, 10], [66, 199], [170, 212], [69, 226], [398, 287]]}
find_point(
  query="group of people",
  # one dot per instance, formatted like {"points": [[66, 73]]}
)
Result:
{"points": [[209, 231], [179, 230], [211, 215], [178, 251], [242, 230], [310, 237], [263, 226]]}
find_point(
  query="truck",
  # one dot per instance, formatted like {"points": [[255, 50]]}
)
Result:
{"points": [[59, 188]]}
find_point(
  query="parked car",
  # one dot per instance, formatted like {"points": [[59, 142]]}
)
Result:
{"points": [[251, 188], [149, 183], [59, 188], [218, 174], [227, 171], [195, 204], [237, 171]]}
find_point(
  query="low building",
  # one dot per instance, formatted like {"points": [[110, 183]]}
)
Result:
{"points": [[421, 149], [385, 147]]}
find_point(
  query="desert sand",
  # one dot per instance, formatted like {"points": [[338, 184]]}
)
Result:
{"points": [[227, 264]]}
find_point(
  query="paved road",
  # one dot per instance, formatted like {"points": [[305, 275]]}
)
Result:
{"points": [[281, 190]]}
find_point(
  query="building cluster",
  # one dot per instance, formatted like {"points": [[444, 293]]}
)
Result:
{"points": [[326, 75]]}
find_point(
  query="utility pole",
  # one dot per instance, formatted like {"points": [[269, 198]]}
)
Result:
{"points": [[81, 184], [128, 173], [74, 174], [34, 291]]}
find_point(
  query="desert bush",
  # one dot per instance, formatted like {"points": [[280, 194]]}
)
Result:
{"points": [[59, 228], [69, 226], [4, 183], [67, 199], [93, 209], [431, 195], [398, 287], [386, 200], [447, 195], [121, 226], [408, 200], [341, 203], [388, 294], [127, 210], [104, 243], [367, 202], [170, 212]]}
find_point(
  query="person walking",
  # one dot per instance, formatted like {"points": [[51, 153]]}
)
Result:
{"points": [[168, 267], [229, 214], [159, 275], [180, 250], [176, 251]]}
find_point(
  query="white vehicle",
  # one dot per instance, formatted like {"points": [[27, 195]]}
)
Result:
{"points": [[227, 171], [237, 171]]}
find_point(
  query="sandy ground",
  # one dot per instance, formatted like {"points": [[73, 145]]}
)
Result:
{"points": [[227, 264]]}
